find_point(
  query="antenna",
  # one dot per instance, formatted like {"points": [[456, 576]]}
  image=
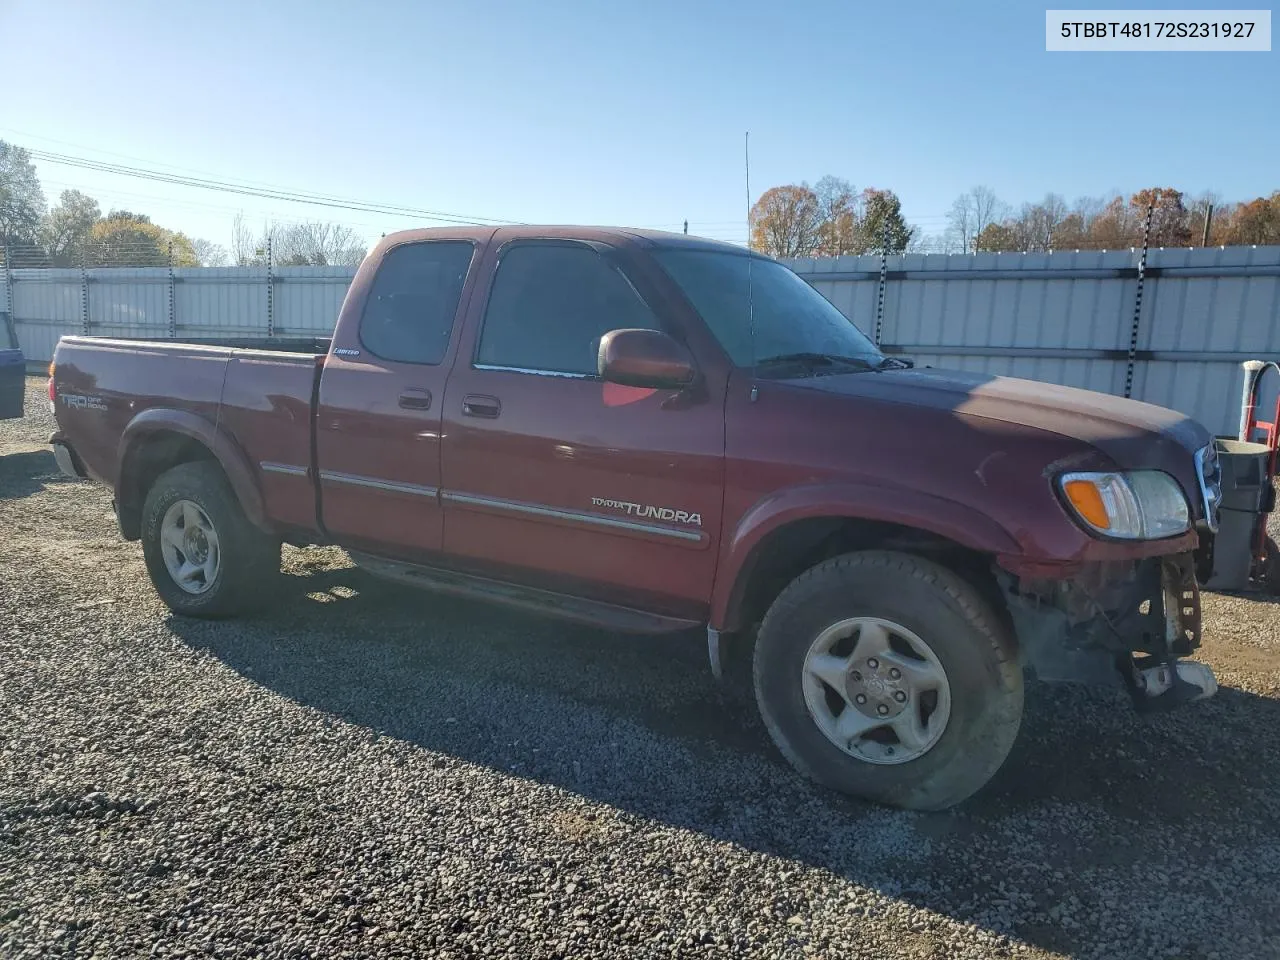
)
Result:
{"points": [[751, 314]]}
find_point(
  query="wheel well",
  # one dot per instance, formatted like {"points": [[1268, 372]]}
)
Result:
{"points": [[145, 462], [790, 550]]}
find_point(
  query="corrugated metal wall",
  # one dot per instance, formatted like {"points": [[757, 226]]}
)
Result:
{"points": [[187, 302], [1062, 317], [1069, 317]]}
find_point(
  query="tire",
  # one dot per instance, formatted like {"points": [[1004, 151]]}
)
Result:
{"points": [[1271, 566], [247, 560], [930, 607]]}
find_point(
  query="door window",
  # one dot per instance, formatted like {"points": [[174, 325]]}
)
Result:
{"points": [[411, 307], [551, 304]]}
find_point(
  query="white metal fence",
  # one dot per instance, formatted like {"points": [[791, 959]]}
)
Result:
{"points": [[46, 304], [1175, 337]]}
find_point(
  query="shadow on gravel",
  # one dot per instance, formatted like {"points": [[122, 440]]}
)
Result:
{"points": [[637, 723], [22, 474]]}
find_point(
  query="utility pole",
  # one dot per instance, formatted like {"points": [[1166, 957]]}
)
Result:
{"points": [[1208, 219]]}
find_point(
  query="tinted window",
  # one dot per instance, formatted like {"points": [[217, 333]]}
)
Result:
{"points": [[738, 295], [410, 310], [550, 305]]}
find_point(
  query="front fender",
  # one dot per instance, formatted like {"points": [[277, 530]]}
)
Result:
{"points": [[921, 511], [230, 456]]}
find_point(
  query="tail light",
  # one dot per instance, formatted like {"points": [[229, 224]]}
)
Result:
{"points": [[53, 392]]}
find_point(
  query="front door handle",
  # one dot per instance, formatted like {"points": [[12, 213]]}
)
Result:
{"points": [[413, 399], [478, 405]]}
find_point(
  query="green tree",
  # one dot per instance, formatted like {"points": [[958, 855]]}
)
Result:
{"points": [[882, 225], [65, 230], [21, 199]]}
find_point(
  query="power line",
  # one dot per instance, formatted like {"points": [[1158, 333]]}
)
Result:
{"points": [[291, 196], [112, 197]]}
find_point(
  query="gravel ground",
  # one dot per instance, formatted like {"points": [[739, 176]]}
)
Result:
{"points": [[372, 772]]}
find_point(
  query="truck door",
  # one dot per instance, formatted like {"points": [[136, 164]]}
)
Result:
{"points": [[554, 478], [379, 409]]}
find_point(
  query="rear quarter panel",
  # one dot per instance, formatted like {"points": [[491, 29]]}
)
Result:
{"points": [[267, 408], [102, 385]]}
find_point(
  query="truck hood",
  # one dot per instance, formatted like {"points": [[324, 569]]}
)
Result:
{"points": [[1125, 430]]}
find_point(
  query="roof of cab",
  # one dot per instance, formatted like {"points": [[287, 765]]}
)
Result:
{"points": [[628, 236]]}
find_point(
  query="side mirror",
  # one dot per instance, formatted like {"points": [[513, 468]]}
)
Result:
{"points": [[644, 358]]}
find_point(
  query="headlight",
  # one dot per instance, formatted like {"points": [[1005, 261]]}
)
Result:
{"points": [[1142, 505]]}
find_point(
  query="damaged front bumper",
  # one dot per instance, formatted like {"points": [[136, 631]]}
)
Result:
{"points": [[1115, 622]]}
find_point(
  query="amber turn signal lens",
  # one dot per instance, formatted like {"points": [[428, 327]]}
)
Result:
{"points": [[1084, 496]]}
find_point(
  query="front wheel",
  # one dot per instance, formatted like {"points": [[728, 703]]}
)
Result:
{"points": [[204, 556], [888, 677]]}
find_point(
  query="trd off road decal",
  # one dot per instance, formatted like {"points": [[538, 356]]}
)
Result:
{"points": [[647, 511], [82, 403]]}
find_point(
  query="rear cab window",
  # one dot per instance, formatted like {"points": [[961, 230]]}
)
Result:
{"points": [[549, 307], [412, 304]]}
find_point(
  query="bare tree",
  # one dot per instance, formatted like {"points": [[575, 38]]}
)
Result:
{"points": [[317, 244], [839, 213], [208, 253], [1036, 224], [972, 213], [243, 244]]}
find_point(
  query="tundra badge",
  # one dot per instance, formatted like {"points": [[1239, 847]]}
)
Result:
{"points": [[645, 510]]}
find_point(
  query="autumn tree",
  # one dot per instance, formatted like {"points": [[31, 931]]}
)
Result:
{"points": [[785, 222], [125, 239], [1257, 221], [1071, 233], [998, 238], [1115, 227], [1169, 227], [66, 228], [21, 199]]}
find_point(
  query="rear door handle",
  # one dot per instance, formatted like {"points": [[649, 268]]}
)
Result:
{"points": [[478, 405], [414, 399]]}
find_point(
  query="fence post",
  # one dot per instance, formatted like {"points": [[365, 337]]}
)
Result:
{"points": [[10, 324], [1137, 304], [271, 292], [84, 297], [884, 269], [173, 314]]}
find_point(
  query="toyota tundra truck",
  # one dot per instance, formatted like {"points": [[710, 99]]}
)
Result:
{"points": [[650, 433]]}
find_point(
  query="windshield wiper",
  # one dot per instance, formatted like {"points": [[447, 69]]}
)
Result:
{"points": [[813, 361], [895, 363]]}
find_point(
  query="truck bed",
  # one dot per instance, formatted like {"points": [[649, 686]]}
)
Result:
{"points": [[315, 345], [248, 400]]}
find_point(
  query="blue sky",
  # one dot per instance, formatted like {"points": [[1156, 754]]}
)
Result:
{"points": [[606, 112]]}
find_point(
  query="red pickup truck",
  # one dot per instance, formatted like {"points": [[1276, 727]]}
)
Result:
{"points": [[652, 432]]}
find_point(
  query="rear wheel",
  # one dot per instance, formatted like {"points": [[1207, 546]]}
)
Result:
{"points": [[886, 676], [204, 556]]}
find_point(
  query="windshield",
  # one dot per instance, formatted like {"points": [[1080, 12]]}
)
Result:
{"points": [[789, 316]]}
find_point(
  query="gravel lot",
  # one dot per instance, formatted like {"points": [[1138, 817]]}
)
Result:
{"points": [[372, 772]]}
